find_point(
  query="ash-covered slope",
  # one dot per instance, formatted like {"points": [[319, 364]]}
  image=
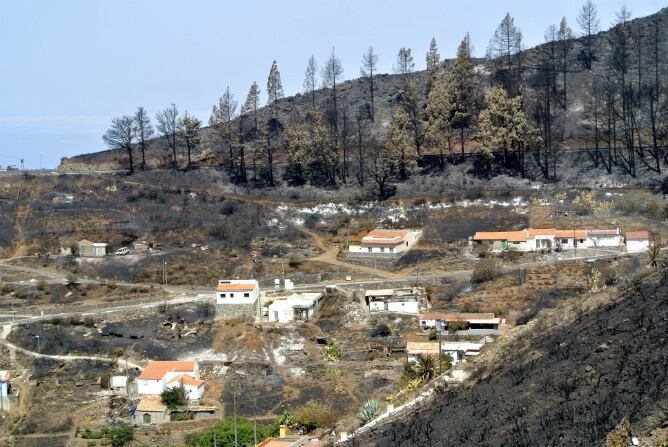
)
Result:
{"points": [[566, 380]]}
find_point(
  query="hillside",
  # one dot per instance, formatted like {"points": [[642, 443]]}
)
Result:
{"points": [[568, 378], [573, 125]]}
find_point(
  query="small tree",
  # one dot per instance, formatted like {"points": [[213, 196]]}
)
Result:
{"points": [[654, 256], [121, 136], [188, 130], [486, 269], [174, 397], [426, 367]]}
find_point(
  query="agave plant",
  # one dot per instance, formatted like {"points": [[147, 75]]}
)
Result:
{"points": [[368, 411], [654, 256]]}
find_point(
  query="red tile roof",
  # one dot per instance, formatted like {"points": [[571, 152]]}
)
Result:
{"points": [[235, 287], [578, 234], [156, 370], [541, 232], [187, 380], [511, 236], [637, 235]]}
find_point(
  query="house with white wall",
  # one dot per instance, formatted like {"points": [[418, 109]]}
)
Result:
{"points": [[570, 239], [603, 238], [460, 351], [390, 300], [461, 323], [159, 376], [294, 307], [237, 291], [637, 240], [385, 243], [503, 240]]}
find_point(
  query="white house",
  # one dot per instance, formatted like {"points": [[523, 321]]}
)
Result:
{"points": [[385, 243], [570, 239], [160, 375], [237, 291], [603, 238], [295, 307], [461, 323], [503, 240], [637, 240], [390, 300], [458, 351]]}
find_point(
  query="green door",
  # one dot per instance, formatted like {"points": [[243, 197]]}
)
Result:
{"points": [[504, 245]]}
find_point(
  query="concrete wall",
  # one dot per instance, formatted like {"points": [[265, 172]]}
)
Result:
{"points": [[637, 245], [231, 311], [403, 306], [150, 387], [156, 417]]}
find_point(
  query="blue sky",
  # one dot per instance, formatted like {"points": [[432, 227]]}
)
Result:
{"points": [[69, 66]]}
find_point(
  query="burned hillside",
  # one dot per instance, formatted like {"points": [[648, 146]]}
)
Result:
{"points": [[592, 364]]}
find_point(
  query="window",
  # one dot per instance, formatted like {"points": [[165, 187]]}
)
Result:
{"points": [[246, 295], [223, 295], [582, 241], [391, 249], [231, 295], [564, 241], [382, 249], [369, 249]]}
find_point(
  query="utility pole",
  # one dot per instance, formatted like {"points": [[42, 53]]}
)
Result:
{"points": [[254, 422], [234, 406]]}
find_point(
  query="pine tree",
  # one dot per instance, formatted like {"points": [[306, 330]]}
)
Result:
{"points": [[565, 44], [121, 136], [188, 131], [221, 122], [505, 48], [252, 104], [588, 21], [405, 64], [503, 125], [331, 74], [410, 102], [451, 101], [309, 79], [432, 60], [400, 138], [167, 125], [144, 132], [274, 87], [369, 67]]}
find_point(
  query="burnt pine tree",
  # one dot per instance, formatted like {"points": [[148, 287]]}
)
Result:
{"points": [[404, 65], [144, 132], [505, 50], [250, 107], [121, 135], [310, 81], [369, 68], [167, 127], [331, 74], [588, 21], [188, 132], [565, 44]]}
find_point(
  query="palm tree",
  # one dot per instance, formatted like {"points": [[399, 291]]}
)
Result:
{"points": [[654, 256], [426, 368]]}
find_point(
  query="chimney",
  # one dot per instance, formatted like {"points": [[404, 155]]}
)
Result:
{"points": [[283, 431]]}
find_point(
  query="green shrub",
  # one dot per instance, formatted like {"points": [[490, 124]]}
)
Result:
{"points": [[644, 203], [331, 352], [313, 415], [174, 397]]}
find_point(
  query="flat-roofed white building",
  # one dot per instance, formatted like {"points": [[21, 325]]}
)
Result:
{"points": [[461, 323], [416, 348], [390, 300], [385, 243], [294, 307], [459, 351]]}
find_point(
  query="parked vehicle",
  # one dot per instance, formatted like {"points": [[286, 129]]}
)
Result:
{"points": [[122, 251]]}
